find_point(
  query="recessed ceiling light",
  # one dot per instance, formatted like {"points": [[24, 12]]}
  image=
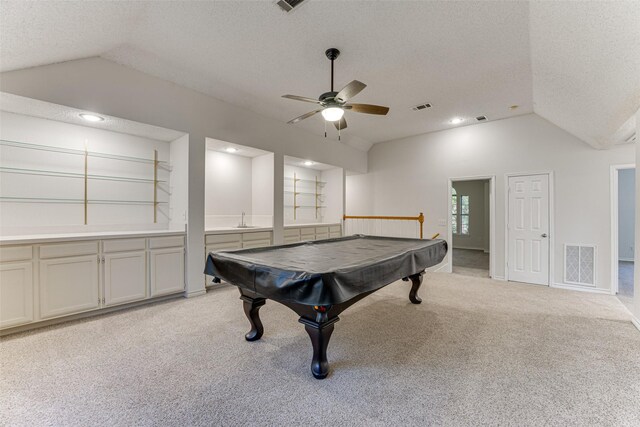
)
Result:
{"points": [[308, 163], [91, 117], [456, 120], [231, 150]]}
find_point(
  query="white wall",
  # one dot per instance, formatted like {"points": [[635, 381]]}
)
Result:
{"points": [[34, 218], [411, 175], [179, 182], [626, 214], [636, 293], [228, 184], [101, 86], [262, 190], [333, 194], [476, 237]]}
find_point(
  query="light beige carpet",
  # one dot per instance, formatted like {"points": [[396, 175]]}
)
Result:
{"points": [[475, 352]]}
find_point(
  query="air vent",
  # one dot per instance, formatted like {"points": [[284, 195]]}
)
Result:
{"points": [[481, 118], [421, 107], [580, 264], [289, 5]]}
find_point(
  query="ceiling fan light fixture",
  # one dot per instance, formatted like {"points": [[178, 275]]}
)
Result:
{"points": [[332, 114]]}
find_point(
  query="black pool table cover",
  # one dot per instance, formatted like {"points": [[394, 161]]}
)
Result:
{"points": [[325, 272]]}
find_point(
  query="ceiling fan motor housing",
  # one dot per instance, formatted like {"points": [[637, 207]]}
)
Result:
{"points": [[332, 53], [328, 97]]}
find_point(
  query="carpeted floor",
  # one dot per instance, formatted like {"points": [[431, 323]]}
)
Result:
{"points": [[470, 262], [475, 352]]}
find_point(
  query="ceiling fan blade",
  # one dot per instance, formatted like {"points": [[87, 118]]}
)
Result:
{"points": [[304, 116], [301, 98], [367, 108], [350, 90], [340, 124]]}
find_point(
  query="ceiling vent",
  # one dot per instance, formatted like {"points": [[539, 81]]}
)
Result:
{"points": [[421, 107], [289, 5], [481, 118]]}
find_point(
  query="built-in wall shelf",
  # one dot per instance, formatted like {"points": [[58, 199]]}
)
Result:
{"points": [[82, 171], [76, 152], [311, 189]]}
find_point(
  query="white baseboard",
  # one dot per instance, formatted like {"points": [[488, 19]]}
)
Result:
{"points": [[467, 248], [580, 288], [438, 268], [635, 322], [195, 293], [500, 278]]}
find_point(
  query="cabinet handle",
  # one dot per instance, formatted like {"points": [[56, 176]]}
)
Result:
{"points": [[103, 260]]}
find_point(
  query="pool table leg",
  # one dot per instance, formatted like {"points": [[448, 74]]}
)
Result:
{"points": [[251, 308], [319, 331], [416, 281]]}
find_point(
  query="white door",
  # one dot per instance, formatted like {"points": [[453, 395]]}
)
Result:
{"points": [[528, 229]]}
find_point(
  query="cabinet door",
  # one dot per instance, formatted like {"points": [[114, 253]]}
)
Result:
{"points": [[125, 277], [167, 271], [16, 293], [68, 285]]}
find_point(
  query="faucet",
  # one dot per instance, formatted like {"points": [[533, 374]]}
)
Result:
{"points": [[242, 224]]}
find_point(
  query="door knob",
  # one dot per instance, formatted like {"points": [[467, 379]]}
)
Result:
{"points": [[543, 235]]}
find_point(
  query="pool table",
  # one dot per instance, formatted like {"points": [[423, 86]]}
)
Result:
{"points": [[320, 279]]}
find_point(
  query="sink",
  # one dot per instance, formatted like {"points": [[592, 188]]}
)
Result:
{"points": [[246, 226]]}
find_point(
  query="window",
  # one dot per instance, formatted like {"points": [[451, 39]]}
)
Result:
{"points": [[459, 213]]}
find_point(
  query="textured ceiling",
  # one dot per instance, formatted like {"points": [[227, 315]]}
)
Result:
{"points": [[577, 61]]}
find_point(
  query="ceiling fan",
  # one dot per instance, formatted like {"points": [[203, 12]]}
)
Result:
{"points": [[333, 104]]}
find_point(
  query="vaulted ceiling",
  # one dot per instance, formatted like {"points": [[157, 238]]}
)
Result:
{"points": [[576, 64]]}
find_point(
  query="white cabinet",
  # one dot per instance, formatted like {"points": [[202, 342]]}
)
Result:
{"points": [[125, 277], [166, 271], [16, 293], [166, 265], [220, 242], [259, 239], [46, 281], [124, 269], [291, 235], [68, 285], [304, 234]]}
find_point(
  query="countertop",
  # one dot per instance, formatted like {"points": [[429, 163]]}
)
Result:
{"points": [[94, 235], [315, 224], [230, 230]]}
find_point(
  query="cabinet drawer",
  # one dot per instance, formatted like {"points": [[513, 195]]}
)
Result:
{"points": [[291, 232], [223, 238], [322, 230], [16, 253], [68, 249], [334, 235], [322, 236], [226, 246], [335, 229], [292, 239], [308, 231], [256, 244], [166, 242], [123, 245], [261, 235]]}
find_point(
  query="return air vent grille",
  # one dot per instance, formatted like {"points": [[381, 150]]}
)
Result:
{"points": [[580, 264], [288, 5], [421, 107]]}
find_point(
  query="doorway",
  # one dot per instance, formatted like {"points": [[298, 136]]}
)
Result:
{"points": [[623, 205], [471, 226], [528, 228]]}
